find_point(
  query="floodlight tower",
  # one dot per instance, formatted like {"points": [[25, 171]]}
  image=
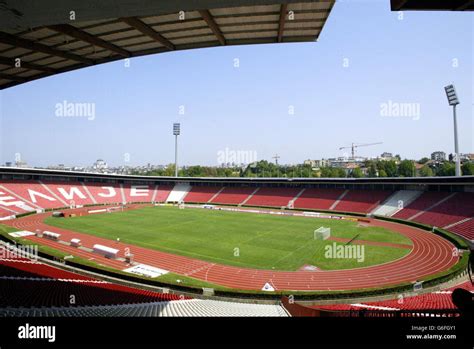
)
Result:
{"points": [[454, 101], [176, 133]]}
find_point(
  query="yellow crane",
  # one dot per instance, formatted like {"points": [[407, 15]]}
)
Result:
{"points": [[354, 146]]}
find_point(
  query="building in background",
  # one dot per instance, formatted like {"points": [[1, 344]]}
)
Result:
{"points": [[438, 156], [100, 165]]}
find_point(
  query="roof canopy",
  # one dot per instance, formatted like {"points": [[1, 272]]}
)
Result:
{"points": [[47, 37], [440, 5]]}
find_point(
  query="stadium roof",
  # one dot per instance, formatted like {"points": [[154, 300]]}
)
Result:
{"points": [[36, 173], [47, 41], [440, 5]]}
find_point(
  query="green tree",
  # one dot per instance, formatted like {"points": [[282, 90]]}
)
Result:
{"points": [[446, 169], [382, 173], [426, 171], [390, 168], [327, 172], [357, 173], [467, 169], [371, 168], [340, 173], [406, 168], [169, 171], [423, 161]]}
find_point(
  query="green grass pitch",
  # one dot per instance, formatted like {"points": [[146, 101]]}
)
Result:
{"points": [[251, 240]]}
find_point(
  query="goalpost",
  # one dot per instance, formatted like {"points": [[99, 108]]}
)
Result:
{"points": [[322, 233]]}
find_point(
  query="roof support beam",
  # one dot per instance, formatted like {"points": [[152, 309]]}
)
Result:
{"points": [[206, 15], [397, 5], [12, 77], [466, 5], [281, 24], [147, 30], [11, 62], [15, 41], [72, 31]]}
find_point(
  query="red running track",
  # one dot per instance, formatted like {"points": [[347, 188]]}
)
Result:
{"points": [[430, 254]]}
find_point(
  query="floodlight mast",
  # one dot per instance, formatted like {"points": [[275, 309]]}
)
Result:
{"points": [[454, 101], [176, 133]]}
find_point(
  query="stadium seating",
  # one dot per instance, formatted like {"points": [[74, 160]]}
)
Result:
{"points": [[27, 283], [21, 292], [162, 193], [180, 190], [183, 308], [233, 195], [396, 202], [361, 200], [104, 193], [465, 229], [435, 300], [30, 288], [7, 212], [201, 194], [138, 192], [321, 199], [33, 194], [69, 192], [31, 269], [277, 197], [423, 202], [458, 207], [452, 211]]}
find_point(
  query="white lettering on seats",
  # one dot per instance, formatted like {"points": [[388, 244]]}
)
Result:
{"points": [[139, 190], [110, 194], [4, 201], [73, 191], [33, 194]]}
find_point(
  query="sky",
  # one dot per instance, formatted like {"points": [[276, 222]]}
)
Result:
{"points": [[373, 76]]}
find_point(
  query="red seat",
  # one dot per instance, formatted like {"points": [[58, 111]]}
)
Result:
{"points": [[267, 196], [362, 201], [201, 193], [233, 195], [321, 199]]}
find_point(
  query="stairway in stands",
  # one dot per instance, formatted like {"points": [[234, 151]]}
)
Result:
{"points": [[178, 193], [396, 202]]}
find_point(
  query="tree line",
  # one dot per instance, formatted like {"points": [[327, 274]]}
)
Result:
{"points": [[266, 169]]}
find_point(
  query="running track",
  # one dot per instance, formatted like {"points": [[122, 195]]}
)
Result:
{"points": [[430, 254]]}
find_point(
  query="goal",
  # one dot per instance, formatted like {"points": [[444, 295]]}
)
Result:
{"points": [[114, 209]]}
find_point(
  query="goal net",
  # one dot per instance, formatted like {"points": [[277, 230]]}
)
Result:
{"points": [[322, 233]]}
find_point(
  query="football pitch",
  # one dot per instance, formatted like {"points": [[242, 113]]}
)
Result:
{"points": [[243, 239]]}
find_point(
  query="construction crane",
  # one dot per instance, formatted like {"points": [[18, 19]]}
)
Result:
{"points": [[354, 146]]}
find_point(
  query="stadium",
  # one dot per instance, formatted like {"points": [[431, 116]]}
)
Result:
{"points": [[86, 244], [214, 238]]}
